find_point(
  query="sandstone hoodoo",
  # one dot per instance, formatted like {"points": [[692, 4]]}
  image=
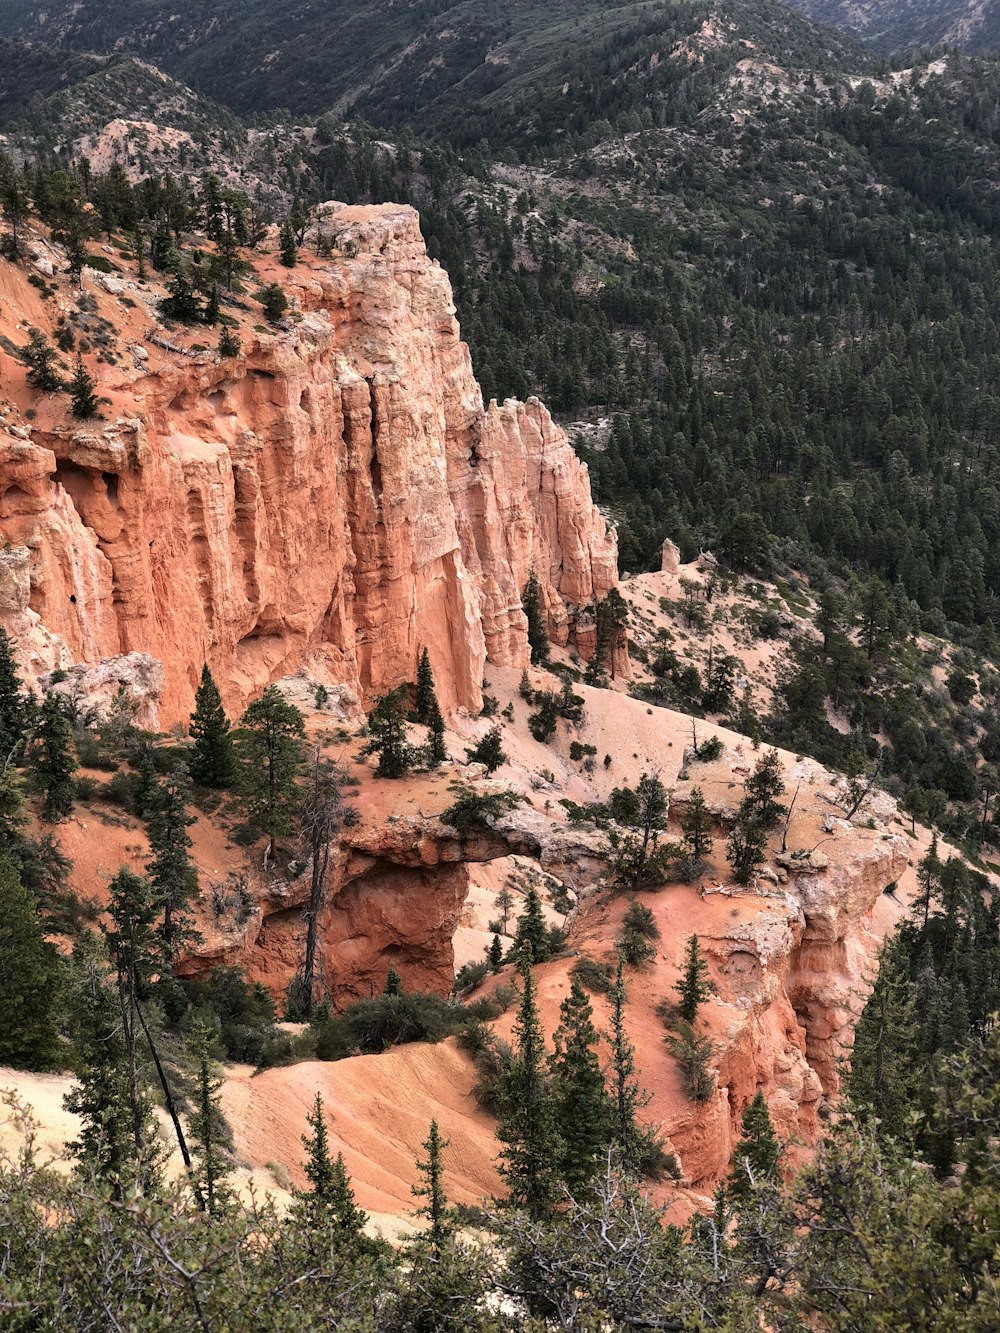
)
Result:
{"points": [[339, 493]]}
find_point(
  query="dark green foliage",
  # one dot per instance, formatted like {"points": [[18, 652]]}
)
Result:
{"points": [[696, 827], [756, 1155], [14, 711], [269, 751], [495, 954], [209, 1137], [531, 1151], [53, 761], [30, 978], [693, 987], [886, 1077], [543, 722], [393, 982], [181, 302], [489, 750], [531, 938], [693, 1053], [241, 1016], [760, 792], [472, 810], [275, 303], [40, 358], [581, 1108], [640, 860], [213, 763], [289, 254], [387, 723], [431, 1189], [83, 399], [745, 850], [172, 875], [427, 709], [328, 1204], [369, 1027], [531, 602], [229, 344]]}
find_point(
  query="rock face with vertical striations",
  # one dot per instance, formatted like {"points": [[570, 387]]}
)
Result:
{"points": [[337, 493]]}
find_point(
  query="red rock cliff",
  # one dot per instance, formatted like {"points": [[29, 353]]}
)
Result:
{"points": [[337, 492]]}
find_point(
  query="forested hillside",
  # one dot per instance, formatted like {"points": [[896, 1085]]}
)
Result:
{"points": [[904, 25]]}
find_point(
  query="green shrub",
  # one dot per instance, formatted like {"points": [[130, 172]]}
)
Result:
{"points": [[593, 976], [369, 1027], [693, 1053], [469, 976]]}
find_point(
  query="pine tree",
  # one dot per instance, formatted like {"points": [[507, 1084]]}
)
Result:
{"points": [[488, 751], [40, 358], [426, 696], [745, 850], [321, 817], [207, 1128], [531, 603], [760, 805], [53, 760], [181, 303], [627, 1096], [269, 751], [437, 750], [14, 711], [102, 1097], [393, 982], [275, 303], [329, 1202], [531, 1151], [83, 399], [494, 954], [696, 826], [756, 1155], [289, 254], [580, 1101], [886, 1076], [531, 939], [30, 978], [929, 870], [693, 987], [229, 344], [212, 313], [213, 763], [173, 878], [388, 727], [435, 1209]]}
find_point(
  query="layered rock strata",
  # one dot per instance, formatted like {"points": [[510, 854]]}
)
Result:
{"points": [[337, 493]]}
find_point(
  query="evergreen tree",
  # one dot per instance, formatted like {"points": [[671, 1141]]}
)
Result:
{"points": [[393, 982], [30, 977], [289, 254], [173, 878], [213, 763], [437, 750], [626, 1095], [494, 954], [745, 850], [929, 870], [693, 987], [14, 710], [426, 696], [212, 313], [53, 760], [108, 1143], [387, 724], [208, 1133], [431, 1189], [531, 603], [489, 750], [181, 303], [531, 939], [275, 303], [269, 751], [329, 1202], [580, 1102], [756, 1155], [321, 817], [40, 358], [531, 1149], [696, 826], [886, 1077], [229, 344], [83, 399], [760, 805]]}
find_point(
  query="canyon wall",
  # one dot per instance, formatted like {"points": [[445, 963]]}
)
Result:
{"points": [[337, 494]]}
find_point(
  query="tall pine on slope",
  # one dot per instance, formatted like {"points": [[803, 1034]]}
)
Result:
{"points": [[269, 748], [580, 1101], [13, 705], [329, 1201], [171, 872], [431, 1188], [531, 602], [693, 987], [756, 1155], [53, 761], [208, 1131], [29, 979], [83, 399], [531, 1152], [626, 1094], [214, 761]]}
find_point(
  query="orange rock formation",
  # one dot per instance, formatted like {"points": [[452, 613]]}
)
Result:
{"points": [[338, 492]]}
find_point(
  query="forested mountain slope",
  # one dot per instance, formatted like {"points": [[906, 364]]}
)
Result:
{"points": [[902, 25]]}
